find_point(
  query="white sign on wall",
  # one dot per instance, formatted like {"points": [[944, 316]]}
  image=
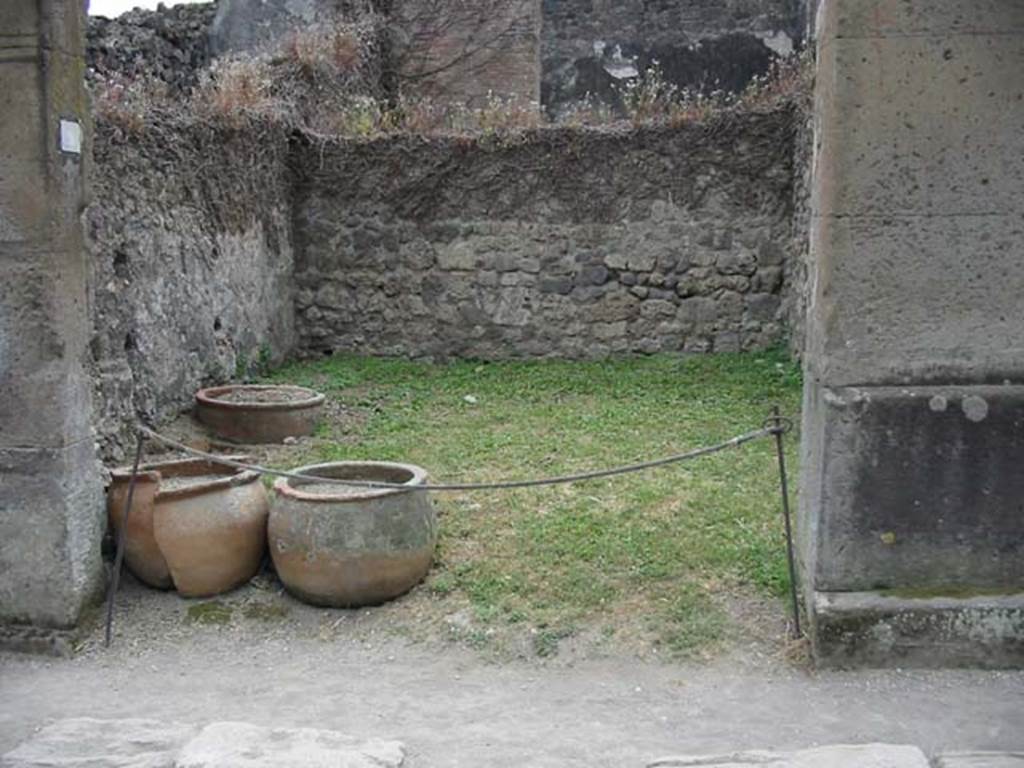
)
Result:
{"points": [[70, 137]]}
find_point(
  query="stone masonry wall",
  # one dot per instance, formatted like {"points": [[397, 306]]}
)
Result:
{"points": [[562, 243], [189, 233]]}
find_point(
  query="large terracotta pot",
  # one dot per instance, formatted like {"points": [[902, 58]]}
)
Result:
{"points": [[344, 547], [254, 413], [195, 525]]}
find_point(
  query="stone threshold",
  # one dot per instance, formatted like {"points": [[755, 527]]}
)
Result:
{"points": [[90, 743], [883, 629]]}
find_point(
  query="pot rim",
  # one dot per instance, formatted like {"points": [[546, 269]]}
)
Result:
{"points": [[283, 486], [154, 472], [209, 397]]}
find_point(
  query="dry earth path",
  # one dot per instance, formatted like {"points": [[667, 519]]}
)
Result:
{"points": [[452, 706]]}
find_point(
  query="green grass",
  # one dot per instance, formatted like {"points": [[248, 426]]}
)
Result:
{"points": [[658, 549]]}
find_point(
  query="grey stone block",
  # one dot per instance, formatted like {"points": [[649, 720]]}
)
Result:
{"points": [[841, 756], [857, 629], [896, 18], [980, 760], [51, 522], [240, 745], [89, 743], [907, 299], [919, 144], [920, 488]]}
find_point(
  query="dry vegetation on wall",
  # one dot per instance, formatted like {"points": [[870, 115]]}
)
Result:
{"points": [[330, 80]]}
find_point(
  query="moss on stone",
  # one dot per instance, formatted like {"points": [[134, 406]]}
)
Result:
{"points": [[212, 612], [265, 611]]}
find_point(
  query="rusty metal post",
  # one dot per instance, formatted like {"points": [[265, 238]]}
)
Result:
{"points": [[779, 430], [122, 533]]}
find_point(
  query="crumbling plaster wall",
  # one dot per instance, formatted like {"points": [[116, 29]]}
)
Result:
{"points": [[559, 243], [189, 232]]}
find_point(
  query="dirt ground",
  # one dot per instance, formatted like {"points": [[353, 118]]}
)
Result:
{"points": [[454, 705]]}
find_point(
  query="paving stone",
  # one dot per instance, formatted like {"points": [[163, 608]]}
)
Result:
{"points": [[842, 756], [91, 743], [239, 745], [981, 760]]}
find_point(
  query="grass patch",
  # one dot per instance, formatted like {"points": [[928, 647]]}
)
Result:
{"points": [[652, 549]]}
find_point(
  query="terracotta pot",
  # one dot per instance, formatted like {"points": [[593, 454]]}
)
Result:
{"points": [[261, 419], [345, 547], [203, 537]]}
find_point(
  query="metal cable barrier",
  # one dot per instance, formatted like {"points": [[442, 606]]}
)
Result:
{"points": [[735, 442], [774, 426]]}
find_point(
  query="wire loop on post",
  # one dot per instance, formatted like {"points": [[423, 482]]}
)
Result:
{"points": [[778, 425]]}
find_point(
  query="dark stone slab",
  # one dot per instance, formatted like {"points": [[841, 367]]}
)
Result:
{"points": [[857, 629], [923, 489]]}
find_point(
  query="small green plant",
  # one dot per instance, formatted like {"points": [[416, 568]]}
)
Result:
{"points": [[789, 79], [213, 612], [650, 96], [362, 117], [263, 359], [241, 365], [547, 639], [443, 584], [587, 112]]}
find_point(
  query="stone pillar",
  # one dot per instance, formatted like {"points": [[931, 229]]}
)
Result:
{"points": [[912, 506], [51, 508]]}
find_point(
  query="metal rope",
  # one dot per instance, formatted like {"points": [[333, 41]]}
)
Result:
{"points": [[777, 428]]}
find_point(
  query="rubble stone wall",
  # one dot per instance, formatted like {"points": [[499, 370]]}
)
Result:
{"points": [[189, 232], [563, 243]]}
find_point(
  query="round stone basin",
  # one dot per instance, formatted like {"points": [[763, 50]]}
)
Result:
{"points": [[255, 413], [195, 525], [345, 547]]}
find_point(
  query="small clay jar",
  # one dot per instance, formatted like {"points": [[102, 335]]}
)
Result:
{"points": [[195, 525]]}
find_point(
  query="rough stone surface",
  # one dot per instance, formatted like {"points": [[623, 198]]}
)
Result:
{"points": [[565, 244], [980, 760], [190, 237], [91, 743], [50, 497], [841, 756], [795, 263], [248, 746], [170, 45], [857, 629], [922, 486], [914, 401]]}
